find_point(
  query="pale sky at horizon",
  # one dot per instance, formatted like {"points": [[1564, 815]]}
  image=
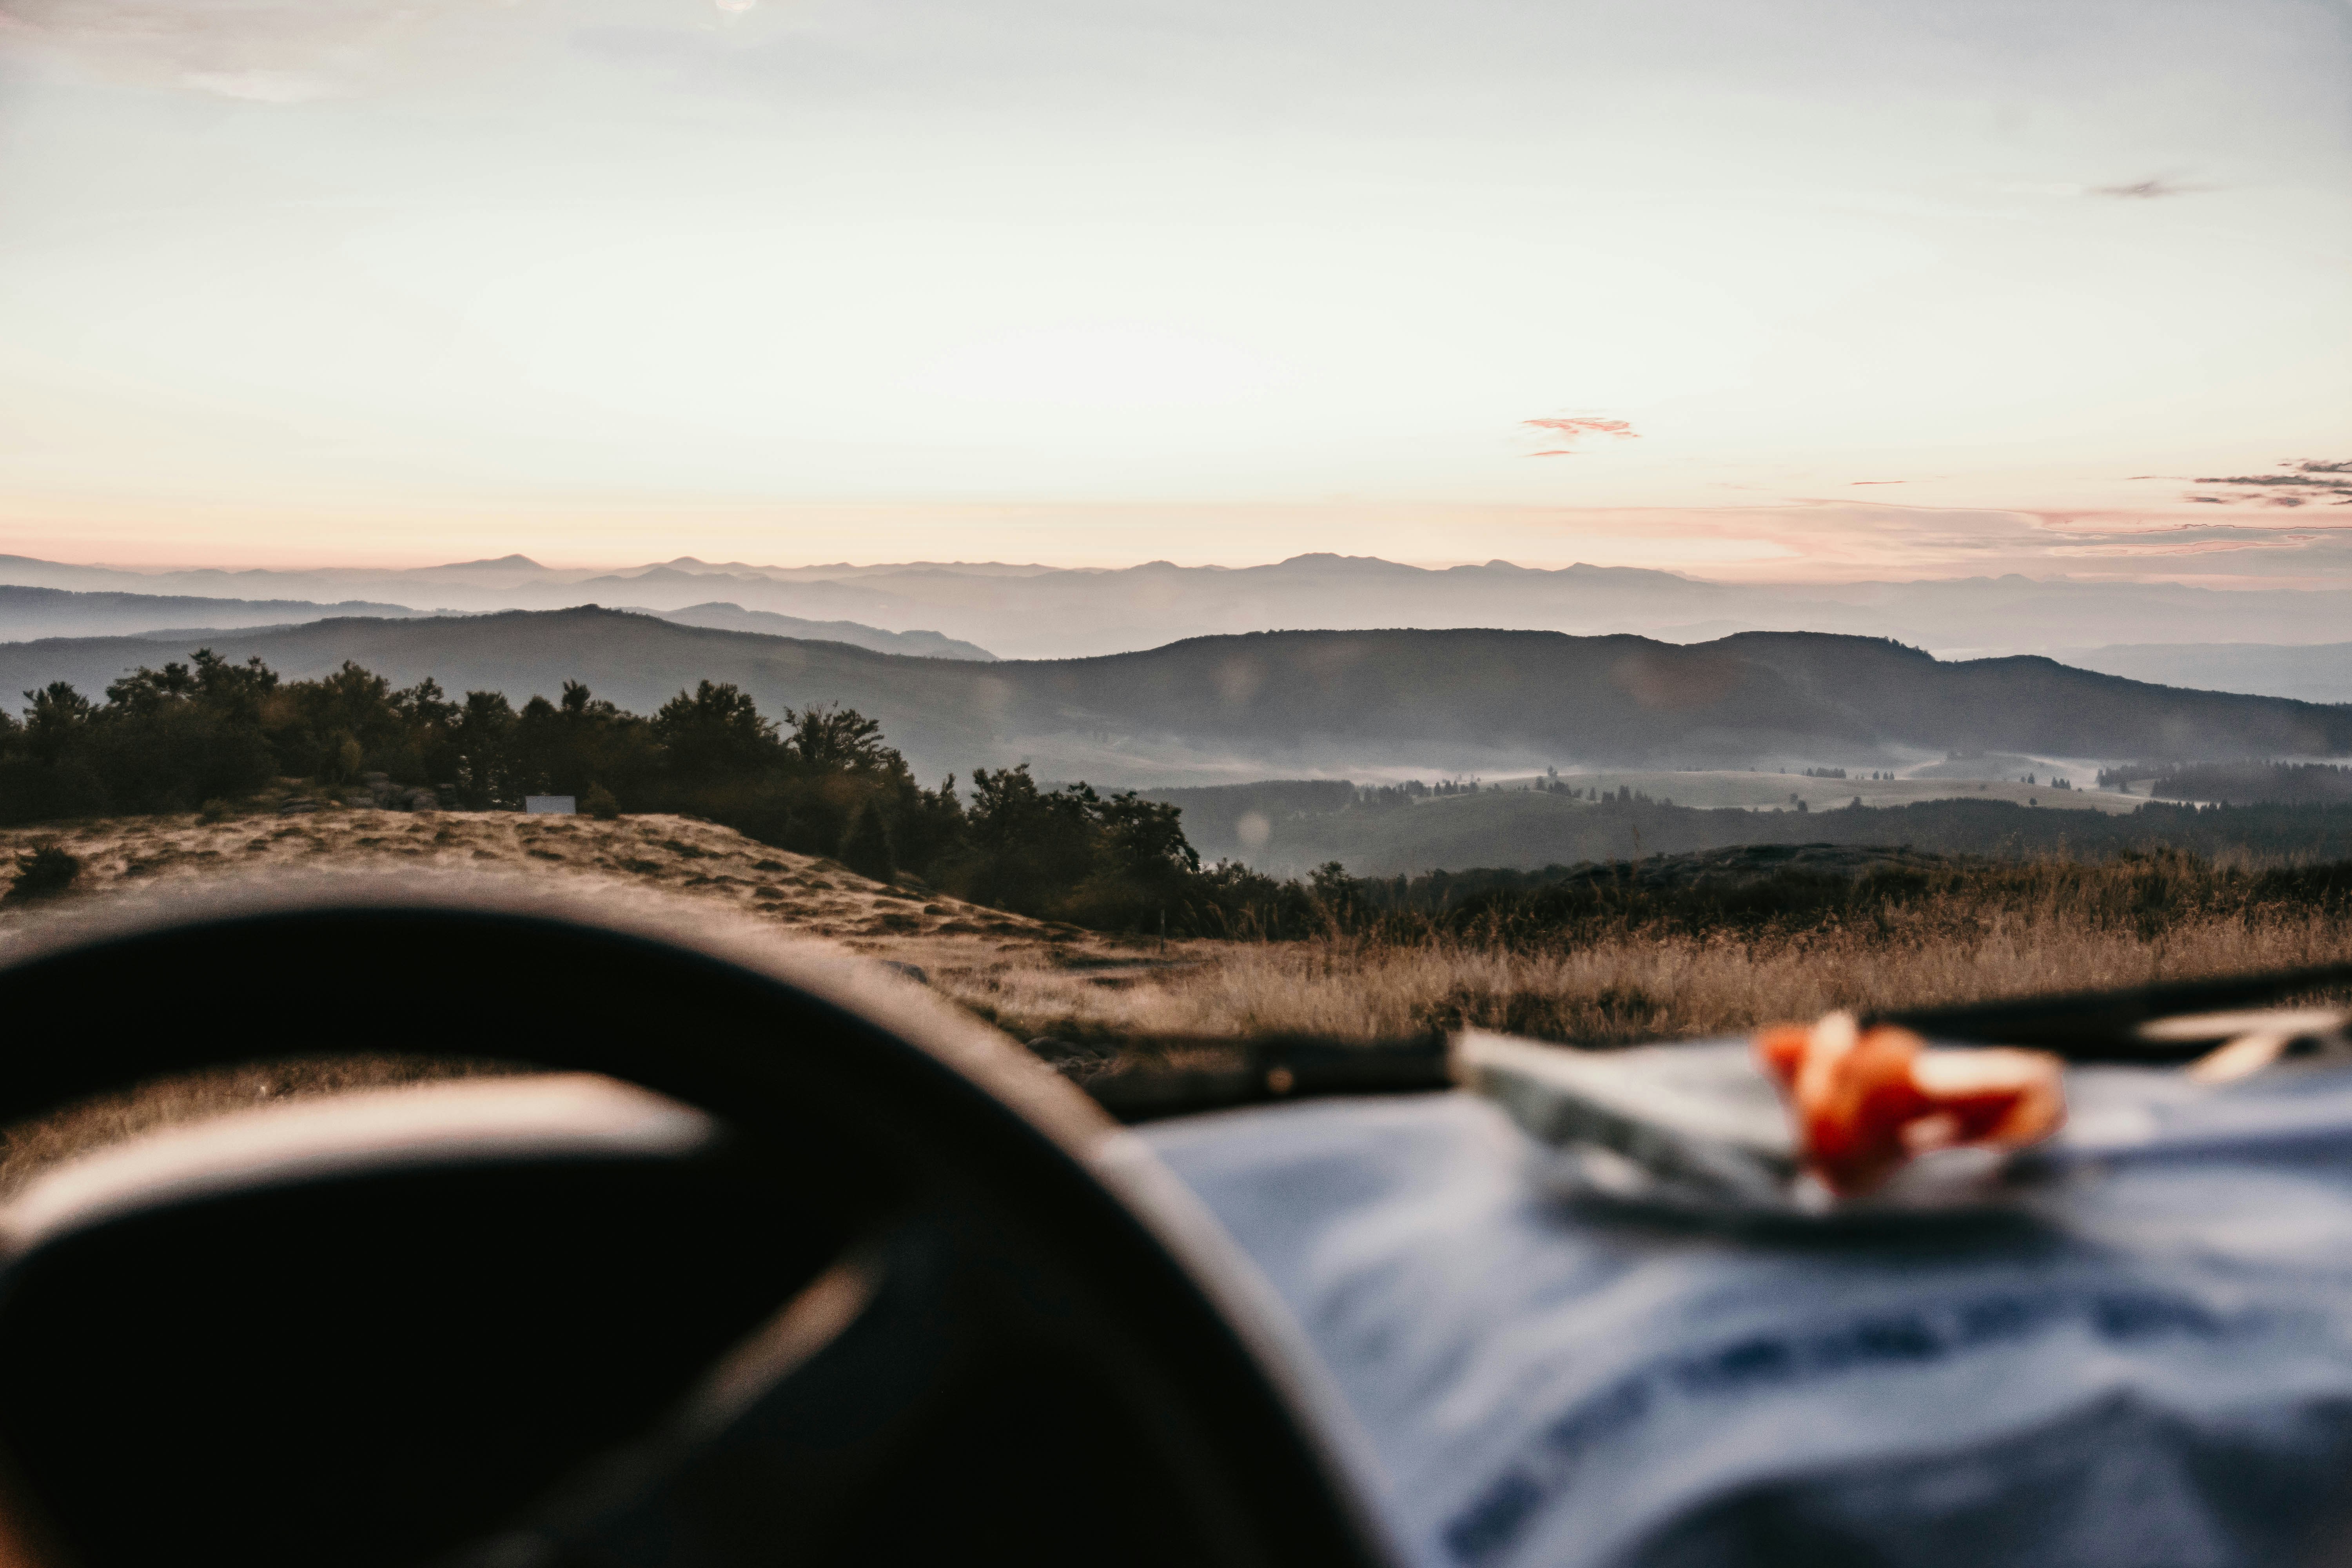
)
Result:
{"points": [[1823, 290]]}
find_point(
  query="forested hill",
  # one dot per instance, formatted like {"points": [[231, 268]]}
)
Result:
{"points": [[1292, 701], [2036, 704]]}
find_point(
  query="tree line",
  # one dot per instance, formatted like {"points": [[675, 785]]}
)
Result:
{"points": [[820, 781], [2248, 782]]}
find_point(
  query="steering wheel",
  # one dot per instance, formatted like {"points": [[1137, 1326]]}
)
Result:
{"points": [[815, 1270]]}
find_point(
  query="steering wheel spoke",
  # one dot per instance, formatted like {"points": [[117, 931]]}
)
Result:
{"points": [[789, 1440]]}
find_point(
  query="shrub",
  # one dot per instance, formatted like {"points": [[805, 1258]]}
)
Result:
{"points": [[43, 870], [599, 804], [866, 848]]}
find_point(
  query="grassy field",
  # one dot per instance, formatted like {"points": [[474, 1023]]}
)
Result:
{"points": [[1973, 933]]}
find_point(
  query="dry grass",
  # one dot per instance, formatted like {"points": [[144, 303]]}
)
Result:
{"points": [[30, 1147], [677, 853], [2054, 927]]}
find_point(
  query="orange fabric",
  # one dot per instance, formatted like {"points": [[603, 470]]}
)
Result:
{"points": [[1867, 1102]]}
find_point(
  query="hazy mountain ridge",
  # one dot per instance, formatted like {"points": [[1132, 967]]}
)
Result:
{"points": [[2029, 703], [1036, 612], [2313, 672], [917, 643], [1305, 702], [27, 612]]}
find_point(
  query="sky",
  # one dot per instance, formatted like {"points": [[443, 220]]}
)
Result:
{"points": [[1814, 290]]}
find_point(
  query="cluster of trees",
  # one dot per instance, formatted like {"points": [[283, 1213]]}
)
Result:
{"points": [[1406, 793], [2249, 782], [1381, 796], [1282, 800], [1390, 797], [822, 782], [170, 739]]}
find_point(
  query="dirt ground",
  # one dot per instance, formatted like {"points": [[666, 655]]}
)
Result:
{"points": [[969, 952]]}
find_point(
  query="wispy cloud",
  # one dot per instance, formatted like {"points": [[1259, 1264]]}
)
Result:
{"points": [[1565, 432], [2149, 190], [261, 51], [2155, 188], [2304, 482]]}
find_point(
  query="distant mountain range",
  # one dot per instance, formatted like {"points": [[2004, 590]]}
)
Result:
{"points": [[26, 613], [2316, 672], [735, 618], [1041, 612], [53, 612], [1301, 703]]}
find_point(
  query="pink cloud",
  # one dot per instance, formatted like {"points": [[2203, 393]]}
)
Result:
{"points": [[1567, 432]]}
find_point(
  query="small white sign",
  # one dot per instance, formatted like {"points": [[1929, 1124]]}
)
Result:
{"points": [[549, 804]]}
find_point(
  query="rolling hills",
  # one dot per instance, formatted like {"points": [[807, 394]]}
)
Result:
{"points": [[29, 612], [1230, 708]]}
